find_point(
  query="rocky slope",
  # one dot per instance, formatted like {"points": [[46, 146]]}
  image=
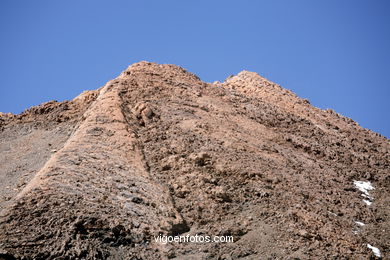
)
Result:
{"points": [[158, 151]]}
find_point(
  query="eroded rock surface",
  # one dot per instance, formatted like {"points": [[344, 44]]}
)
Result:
{"points": [[158, 151]]}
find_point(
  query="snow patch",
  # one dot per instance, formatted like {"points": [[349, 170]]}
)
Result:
{"points": [[367, 202], [365, 187], [359, 223], [375, 250]]}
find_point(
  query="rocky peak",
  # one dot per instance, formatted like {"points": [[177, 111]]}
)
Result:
{"points": [[246, 78], [168, 71], [157, 151]]}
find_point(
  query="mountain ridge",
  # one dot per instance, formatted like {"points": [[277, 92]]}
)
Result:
{"points": [[158, 151]]}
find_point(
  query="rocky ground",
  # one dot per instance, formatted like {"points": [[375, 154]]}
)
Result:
{"points": [[158, 151]]}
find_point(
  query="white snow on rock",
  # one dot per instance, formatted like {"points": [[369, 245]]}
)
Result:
{"points": [[367, 202], [359, 223], [375, 250], [365, 187]]}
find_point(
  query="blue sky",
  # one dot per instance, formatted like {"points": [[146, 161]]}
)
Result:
{"points": [[335, 53]]}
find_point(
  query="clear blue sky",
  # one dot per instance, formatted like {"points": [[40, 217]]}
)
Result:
{"points": [[333, 52]]}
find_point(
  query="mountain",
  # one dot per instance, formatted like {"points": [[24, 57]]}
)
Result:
{"points": [[156, 151]]}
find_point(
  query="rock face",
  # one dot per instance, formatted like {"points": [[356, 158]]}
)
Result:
{"points": [[158, 151]]}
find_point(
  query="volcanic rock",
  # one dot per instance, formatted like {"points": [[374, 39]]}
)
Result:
{"points": [[156, 151]]}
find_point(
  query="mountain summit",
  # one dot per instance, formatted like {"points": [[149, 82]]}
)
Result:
{"points": [[156, 151]]}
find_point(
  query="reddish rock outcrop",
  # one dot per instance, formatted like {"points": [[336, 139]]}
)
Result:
{"points": [[158, 151]]}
